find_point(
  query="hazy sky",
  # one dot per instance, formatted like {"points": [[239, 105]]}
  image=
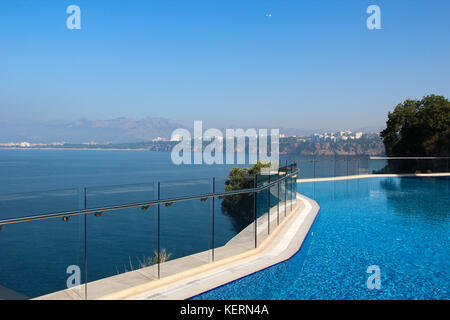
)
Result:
{"points": [[312, 64]]}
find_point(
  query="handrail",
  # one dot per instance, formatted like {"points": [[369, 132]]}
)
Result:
{"points": [[407, 158], [353, 158], [147, 203]]}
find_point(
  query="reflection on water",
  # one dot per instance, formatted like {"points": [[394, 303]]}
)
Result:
{"points": [[424, 192]]}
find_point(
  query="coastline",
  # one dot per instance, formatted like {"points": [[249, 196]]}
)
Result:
{"points": [[148, 149], [93, 149]]}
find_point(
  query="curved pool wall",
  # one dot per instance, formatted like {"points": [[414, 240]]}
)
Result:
{"points": [[400, 225]]}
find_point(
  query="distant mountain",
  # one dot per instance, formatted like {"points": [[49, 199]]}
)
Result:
{"points": [[84, 130], [118, 130]]}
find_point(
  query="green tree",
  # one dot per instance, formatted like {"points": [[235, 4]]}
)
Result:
{"points": [[418, 128], [240, 207], [244, 178]]}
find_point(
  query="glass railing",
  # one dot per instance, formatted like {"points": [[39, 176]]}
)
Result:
{"points": [[339, 166], [94, 242], [402, 165]]}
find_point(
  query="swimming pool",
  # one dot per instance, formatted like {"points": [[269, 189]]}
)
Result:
{"points": [[400, 225]]}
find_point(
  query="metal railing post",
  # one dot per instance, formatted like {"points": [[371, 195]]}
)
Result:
{"points": [[292, 195], [285, 197], [334, 166], [268, 208], [347, 166], [295, 190], [314, 166], [295, 184], [292, 192], [278, 204], [254, 212], [159, 230], [85, 247], [213, 205]]}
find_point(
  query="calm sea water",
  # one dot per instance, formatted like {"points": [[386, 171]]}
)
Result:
{"points": [[400, 225], [39, 170]]}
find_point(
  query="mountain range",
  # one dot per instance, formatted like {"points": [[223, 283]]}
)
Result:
{"points": [[118, 130]]}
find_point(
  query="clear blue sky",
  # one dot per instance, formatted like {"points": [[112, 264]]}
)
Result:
{"points": [[313, 64]]}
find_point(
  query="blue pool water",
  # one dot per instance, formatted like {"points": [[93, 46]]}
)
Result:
{"points": [[400, 225]]}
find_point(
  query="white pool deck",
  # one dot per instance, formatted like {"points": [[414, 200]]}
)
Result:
{"points": [[191, 275]]}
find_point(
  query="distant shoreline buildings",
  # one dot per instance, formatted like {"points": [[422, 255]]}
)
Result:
{"points": [[344, 142], [342, 135], [31, 145]]}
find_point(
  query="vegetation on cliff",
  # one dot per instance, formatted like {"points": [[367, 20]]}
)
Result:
{"points": [[240, 207], [418, 128]]}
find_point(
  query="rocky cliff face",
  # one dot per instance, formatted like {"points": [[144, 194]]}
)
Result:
{"points": [[368, 147]]}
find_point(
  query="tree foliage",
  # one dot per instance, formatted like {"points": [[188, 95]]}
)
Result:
{"points": [[240, 207], [418, 128], [243, 178]]}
